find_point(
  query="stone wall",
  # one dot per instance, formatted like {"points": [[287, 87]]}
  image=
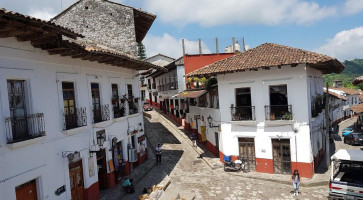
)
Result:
{"points": [[102, 22]]}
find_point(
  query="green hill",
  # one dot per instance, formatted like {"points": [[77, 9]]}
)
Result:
{"points": [[353, 69]]}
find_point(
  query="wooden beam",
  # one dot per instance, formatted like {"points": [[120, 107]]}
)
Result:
{"points": [[80, 55], [28, 36], [95, 58], [70, 53], [11, 33], [43, 40], [58, 51]]}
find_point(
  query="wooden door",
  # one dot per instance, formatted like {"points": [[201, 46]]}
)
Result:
{"points": [[217, 143], [102, 170], [281, 156], [247, 151], [27, 191], [76, 182]]}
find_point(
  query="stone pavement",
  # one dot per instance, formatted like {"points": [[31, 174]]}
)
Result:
{"points": [[319, 179], [195, 177]]}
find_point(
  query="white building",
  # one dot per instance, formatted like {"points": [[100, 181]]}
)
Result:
{"points": [[148, 89], [65, 132], [340, 107], [265, 98]]}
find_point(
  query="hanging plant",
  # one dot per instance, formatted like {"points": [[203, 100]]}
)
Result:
{"points": [[203, 81]]}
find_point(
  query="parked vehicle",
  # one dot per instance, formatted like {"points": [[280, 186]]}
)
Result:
{"points": [[346, 131], [236, 165], [354, 139], [346, 181], [147, 106]]}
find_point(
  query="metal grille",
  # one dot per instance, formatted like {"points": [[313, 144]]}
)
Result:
{"points": [[22, 128], [102, 114], [243, 113], [278, 112], [74, 119]]}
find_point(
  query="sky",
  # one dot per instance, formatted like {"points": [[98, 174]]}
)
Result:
{"points": [[330, 27]]}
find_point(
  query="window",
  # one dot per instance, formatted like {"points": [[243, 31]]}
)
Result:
{"points": [[21, 125], [243, 109], [142, 95], [129, 90], [69, 104], [278, 108], [96, 102]]}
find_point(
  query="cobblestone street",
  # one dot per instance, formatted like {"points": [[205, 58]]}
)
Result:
{"points": [[192, 177]]}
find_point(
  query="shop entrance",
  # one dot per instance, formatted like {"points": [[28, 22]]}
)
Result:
{"points": [[76, 180], [281, 156], [247, 151], [27, 191], [102, 169]]}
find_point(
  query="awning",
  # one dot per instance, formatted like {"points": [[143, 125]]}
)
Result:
{"points": [[191, 94], [344, 154], [357, 108]]}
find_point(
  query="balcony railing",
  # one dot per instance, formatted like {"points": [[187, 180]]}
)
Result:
{"points": [[316, 108], [101, 114], [75, 120], [278, 112], [119, 111], [24, 127], [243, 113], [154, 86]]}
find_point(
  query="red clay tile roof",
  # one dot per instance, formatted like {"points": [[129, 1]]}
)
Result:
{"points": [[357, 108], [346, 90], [191, 94], [336, 95], [270, 55], [358, 80], [361, 97]]}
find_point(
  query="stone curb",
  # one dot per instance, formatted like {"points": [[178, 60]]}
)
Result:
{"points": [[312, 184]]}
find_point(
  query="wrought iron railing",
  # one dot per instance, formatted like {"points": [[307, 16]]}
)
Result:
{"points": [[75, 119], [243, 113], [21, 128], [119, 111], [101, 114], [278, 112], [154, 85], [316, 108]]}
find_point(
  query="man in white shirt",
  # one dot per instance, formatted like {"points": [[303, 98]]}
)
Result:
{"points": [[158, 154]]}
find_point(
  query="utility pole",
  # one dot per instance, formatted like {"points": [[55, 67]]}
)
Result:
{"points": [[183, 47], [327, 127]]}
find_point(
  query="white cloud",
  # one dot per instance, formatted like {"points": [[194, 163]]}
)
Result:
{"points": [[346, 45], [170, 46], [216, 12], [353, 6], [44, 13]]}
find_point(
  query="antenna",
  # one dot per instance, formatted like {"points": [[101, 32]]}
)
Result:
{"points": [[243, 43]]}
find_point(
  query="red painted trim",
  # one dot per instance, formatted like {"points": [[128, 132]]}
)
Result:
{"points": [[264, 165], [127, 168], [111, 180], [305, 169], [194, 62], [212, 148], [92, 192], [141, 159]]}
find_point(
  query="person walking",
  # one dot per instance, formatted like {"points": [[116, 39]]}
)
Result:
{"points": [[158, 154], [295, 179]]}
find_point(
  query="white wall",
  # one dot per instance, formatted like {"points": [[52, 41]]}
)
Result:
{"points": [[43, 74], [263, 131]]}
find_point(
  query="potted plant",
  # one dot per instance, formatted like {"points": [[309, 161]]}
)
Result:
{"points": [[124, 98], [203, 81], [287, 116], [114, 99], [136, 99]]}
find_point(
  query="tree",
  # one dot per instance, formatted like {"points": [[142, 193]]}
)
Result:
{"points": [[141, 51]]}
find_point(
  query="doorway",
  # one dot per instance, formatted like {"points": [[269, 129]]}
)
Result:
{"points": [[281, 156], [27, 191], [102, 169], [247, 151], [76, 180], [217, 143]]}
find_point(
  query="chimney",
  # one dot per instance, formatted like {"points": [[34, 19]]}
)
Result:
{"points": [[337, 83]]}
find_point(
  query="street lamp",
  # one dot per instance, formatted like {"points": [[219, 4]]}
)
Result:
{"points": [[101, 139], [210, 122]]}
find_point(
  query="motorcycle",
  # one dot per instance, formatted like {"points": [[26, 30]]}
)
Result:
{"points": [[128, 186], [237, 165]]}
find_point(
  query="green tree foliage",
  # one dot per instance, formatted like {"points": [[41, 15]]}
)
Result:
{"points": [[141, 51], [353, 69]]}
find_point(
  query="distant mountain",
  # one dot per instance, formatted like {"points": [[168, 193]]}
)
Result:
{"points": [[353, 69]]}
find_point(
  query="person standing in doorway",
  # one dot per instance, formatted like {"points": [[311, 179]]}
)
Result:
{"points": [[295, 179], [158, 154]]}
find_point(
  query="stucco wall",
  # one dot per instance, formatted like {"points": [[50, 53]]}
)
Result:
{"points": [[102, 23]]}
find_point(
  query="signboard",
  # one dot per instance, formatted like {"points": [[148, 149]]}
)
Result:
{"points": [[110, 164], [91, 167], [60, 190], [141, 138], [203, 133]]}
